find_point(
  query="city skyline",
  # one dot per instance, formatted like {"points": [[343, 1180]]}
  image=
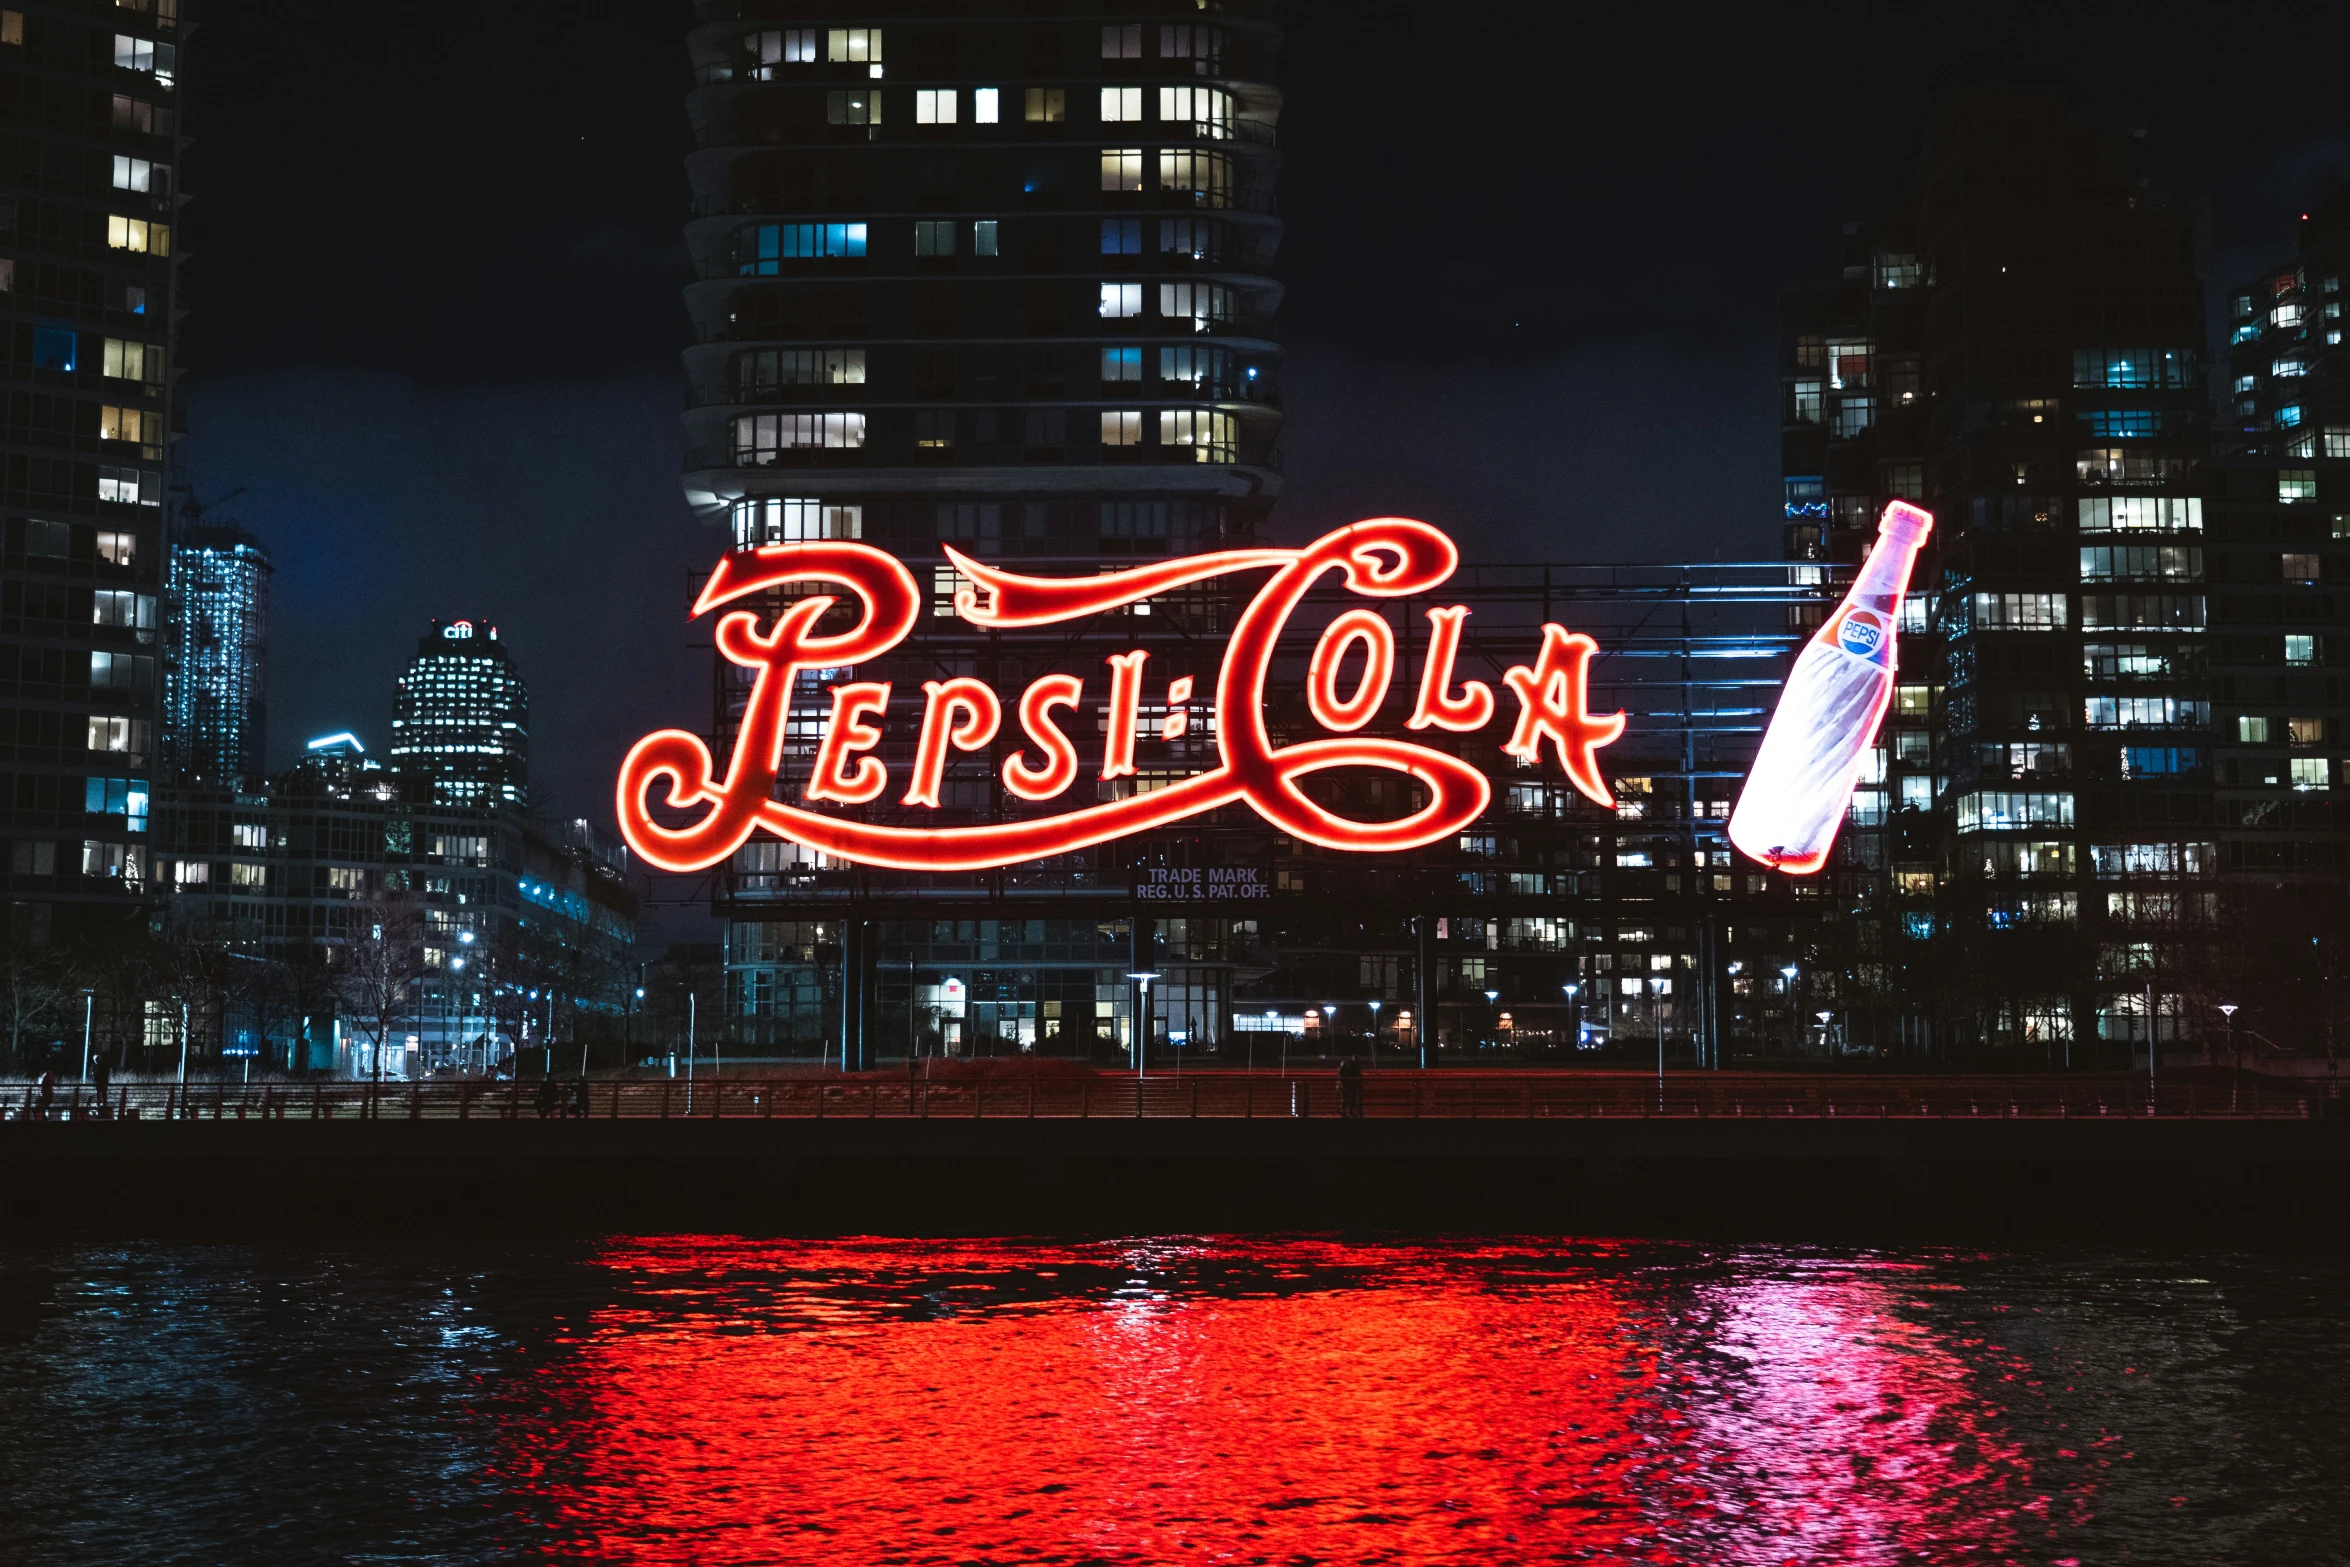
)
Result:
{"points": [[1611, 406]]}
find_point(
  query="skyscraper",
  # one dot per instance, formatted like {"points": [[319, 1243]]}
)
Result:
{"points": [[461, 722], [994, 276], [2043, 783], [214, 724], [87, 213], [2280, 570]]}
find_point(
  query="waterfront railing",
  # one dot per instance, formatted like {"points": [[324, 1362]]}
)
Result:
{"points": [[1208, 1096]]}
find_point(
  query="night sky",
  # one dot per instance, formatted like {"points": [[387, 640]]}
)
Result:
{"points": [[1533, 264]]}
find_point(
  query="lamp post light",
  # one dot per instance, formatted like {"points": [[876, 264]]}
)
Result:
{"points": [[1656, 1012], [1329, 1026], [1794, 1012], [1824, 1036], [1142, 1025], [2227, 1009], [88, 1000], [1492, 999], [1374, 1050], [1574, 1013]]}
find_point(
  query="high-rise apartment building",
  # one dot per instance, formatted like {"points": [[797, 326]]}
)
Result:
{"points": [[2280, 572], [2019, 345], [215, 717], [992, 275], [462, 717], [88, 210]]}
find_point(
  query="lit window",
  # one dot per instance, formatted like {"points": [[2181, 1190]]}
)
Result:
{"points": [[1804, 402], [1121, 236], [2300, 649], [986, 105], [136, 174], [760, 251], [2133, 368], [1047, 105], [760, 438], [1208, 433], [2019, 612], [853, 46], [1122, 43], [2309, 773], [1206, 175], [2296, 484], [130, 424], [1120, 300], [118, 549], [1121, 168], [2284, 368], [934, 106], [1121, 428], [2305, 731], [1854, 415], [1206, 110], [853, 106], [138, 236], [2299, 567], [1121, 364], [12, 32], [934, 237], [1848, 364], [1120, 104], [983, 237], [128, 487], [1202, 304]]}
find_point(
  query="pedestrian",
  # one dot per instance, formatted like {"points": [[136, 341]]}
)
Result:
{"points": [[579, 1097], [1350, 1090], [546, 1097], [101, 1074], [48, 1095]]}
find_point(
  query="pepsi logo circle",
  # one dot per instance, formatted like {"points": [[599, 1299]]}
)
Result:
{"points": [[1861, 635]]}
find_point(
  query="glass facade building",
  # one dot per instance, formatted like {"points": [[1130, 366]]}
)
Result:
{"points": [[2280, 572], [2018, 344], [89, 206], [215, 726], [461, 721]]}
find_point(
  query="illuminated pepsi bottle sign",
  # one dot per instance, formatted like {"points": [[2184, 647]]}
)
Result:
{"points": [[1827, 718]]}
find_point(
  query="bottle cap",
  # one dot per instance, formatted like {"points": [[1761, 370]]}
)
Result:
{"points": [[1907, 523]]}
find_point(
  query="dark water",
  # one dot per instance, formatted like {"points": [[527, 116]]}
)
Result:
{"points": [[1170, 1400]]}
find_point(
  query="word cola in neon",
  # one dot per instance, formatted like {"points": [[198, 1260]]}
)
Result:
{"points": [[1383, 558]]}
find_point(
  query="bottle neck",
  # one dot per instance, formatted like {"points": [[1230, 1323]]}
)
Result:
{"points": [[1885, 574]]}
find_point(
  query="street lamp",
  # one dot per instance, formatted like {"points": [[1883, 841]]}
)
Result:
{"points": [[1142, 1024], [1794, 1019], [1574, 1014], [2227, 1009], [1374, 1050]]}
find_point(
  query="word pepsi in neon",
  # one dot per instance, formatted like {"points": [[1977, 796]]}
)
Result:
{"points": [[1384, 558]]}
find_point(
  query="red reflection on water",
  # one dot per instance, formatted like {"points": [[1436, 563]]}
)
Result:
{"points": [[1253, 1402]]}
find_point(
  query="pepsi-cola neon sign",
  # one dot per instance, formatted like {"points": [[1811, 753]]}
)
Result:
{"points": [[1384, 558]]}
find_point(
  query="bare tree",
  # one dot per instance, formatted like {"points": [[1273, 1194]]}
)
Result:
{"points": [[36, 981], [381, 969]]}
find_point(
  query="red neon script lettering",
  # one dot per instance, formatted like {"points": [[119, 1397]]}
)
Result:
{"points": [[1356, 625], [1438, 707], [1036, 721], [959, 712], [1552, 698], [1383, 558]]}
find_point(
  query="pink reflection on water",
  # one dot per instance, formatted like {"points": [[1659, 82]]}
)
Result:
{"points": [[1253, 1401]]}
